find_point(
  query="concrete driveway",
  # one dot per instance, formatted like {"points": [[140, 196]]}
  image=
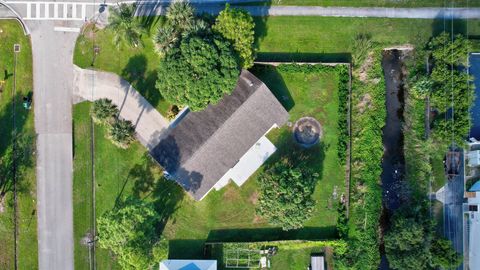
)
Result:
{"points": [[93, 85]]}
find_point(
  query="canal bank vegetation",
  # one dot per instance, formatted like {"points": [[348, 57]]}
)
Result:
{"points": [[412, 240], [368, 118]]}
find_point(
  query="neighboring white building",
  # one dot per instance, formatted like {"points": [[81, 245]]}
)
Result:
{"points": [[188, 265], [471, 209], [472, 236]]}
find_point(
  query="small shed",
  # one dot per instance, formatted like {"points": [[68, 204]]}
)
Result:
{"points": [[317, 262]]}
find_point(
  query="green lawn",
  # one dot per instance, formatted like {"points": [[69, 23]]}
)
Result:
{"points": [[225, 215], [27, 242], [375, 3], [117, 175], [329, 39]]}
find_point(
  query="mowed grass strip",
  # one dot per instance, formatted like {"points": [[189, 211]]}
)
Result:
{"points": [[12, 33], [329, 39]]}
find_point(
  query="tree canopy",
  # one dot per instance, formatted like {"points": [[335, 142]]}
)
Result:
{"points": [[412, 243], [199, 72], [237, 26], [125, 27], [128, 230], [452, 96], [286, 195]]}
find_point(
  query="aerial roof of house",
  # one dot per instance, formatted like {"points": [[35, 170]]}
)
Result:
{"points": [[188, 265], [204, 145]]}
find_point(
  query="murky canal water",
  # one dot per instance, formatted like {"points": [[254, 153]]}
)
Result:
{"points": [[393, 161]]}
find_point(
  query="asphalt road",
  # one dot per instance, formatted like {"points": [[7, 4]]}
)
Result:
{"points": [[158, 8], [453, 211], [53, 84]]}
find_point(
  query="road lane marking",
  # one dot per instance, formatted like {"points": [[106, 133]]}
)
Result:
{"points": [[66, 29], [29, 10]]}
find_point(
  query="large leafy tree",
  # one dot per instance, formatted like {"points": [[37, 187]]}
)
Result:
{"points": [[451, 95], [199, 72], [128, 231], [411, 242], [286, 195], [237, 26], [124, 26]]}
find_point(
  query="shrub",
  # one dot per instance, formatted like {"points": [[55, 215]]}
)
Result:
{"points": [[362, 44], [286, 195], [103, 111], [121, 133], [128, 231]]}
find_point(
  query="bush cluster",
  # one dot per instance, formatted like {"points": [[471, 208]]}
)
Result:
{"points": [[201, 62], [120, 132]]}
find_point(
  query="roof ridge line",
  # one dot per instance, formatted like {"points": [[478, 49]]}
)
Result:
{"points": [[226, 120]]}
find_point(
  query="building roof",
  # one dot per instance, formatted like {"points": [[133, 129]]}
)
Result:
{"points": [[188, 265], [200, 149], [317, 262]]}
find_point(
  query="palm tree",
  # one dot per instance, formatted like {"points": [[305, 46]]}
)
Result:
{"points": [[121, 133], [165, 38], [125, 27], [103, 111], [180, 15]]}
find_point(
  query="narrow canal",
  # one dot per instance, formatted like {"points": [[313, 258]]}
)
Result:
{"points": [[393, 161]]}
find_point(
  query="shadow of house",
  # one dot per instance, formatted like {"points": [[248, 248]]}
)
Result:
{"points": [[274, 81], [270, 234], [345, 57], [205, 145]]}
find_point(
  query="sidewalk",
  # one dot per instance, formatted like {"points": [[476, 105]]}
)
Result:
{"points": [[91, 85]]}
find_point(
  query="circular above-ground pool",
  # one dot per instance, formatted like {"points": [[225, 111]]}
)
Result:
{"points": [[307, 131]]}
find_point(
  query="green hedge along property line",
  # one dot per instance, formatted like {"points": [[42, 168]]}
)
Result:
{"points": [[338, 246], [367, 151], [343, 92]]}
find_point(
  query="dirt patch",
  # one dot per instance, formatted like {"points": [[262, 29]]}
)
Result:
{"points": [[362, 72], [254, 197], [230, 193], [365, 103], [257, 219]]}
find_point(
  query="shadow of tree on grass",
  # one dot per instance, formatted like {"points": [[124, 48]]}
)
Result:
{"points": [[135, 72]]}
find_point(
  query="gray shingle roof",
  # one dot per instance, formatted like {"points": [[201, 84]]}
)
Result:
{"points": [[206, 144]]}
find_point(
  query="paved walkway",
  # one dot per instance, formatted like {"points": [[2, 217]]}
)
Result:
{"points": [[149, 123], [153, 9]]}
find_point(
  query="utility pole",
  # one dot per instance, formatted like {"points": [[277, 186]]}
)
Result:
{"points": [[16, 50]]}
